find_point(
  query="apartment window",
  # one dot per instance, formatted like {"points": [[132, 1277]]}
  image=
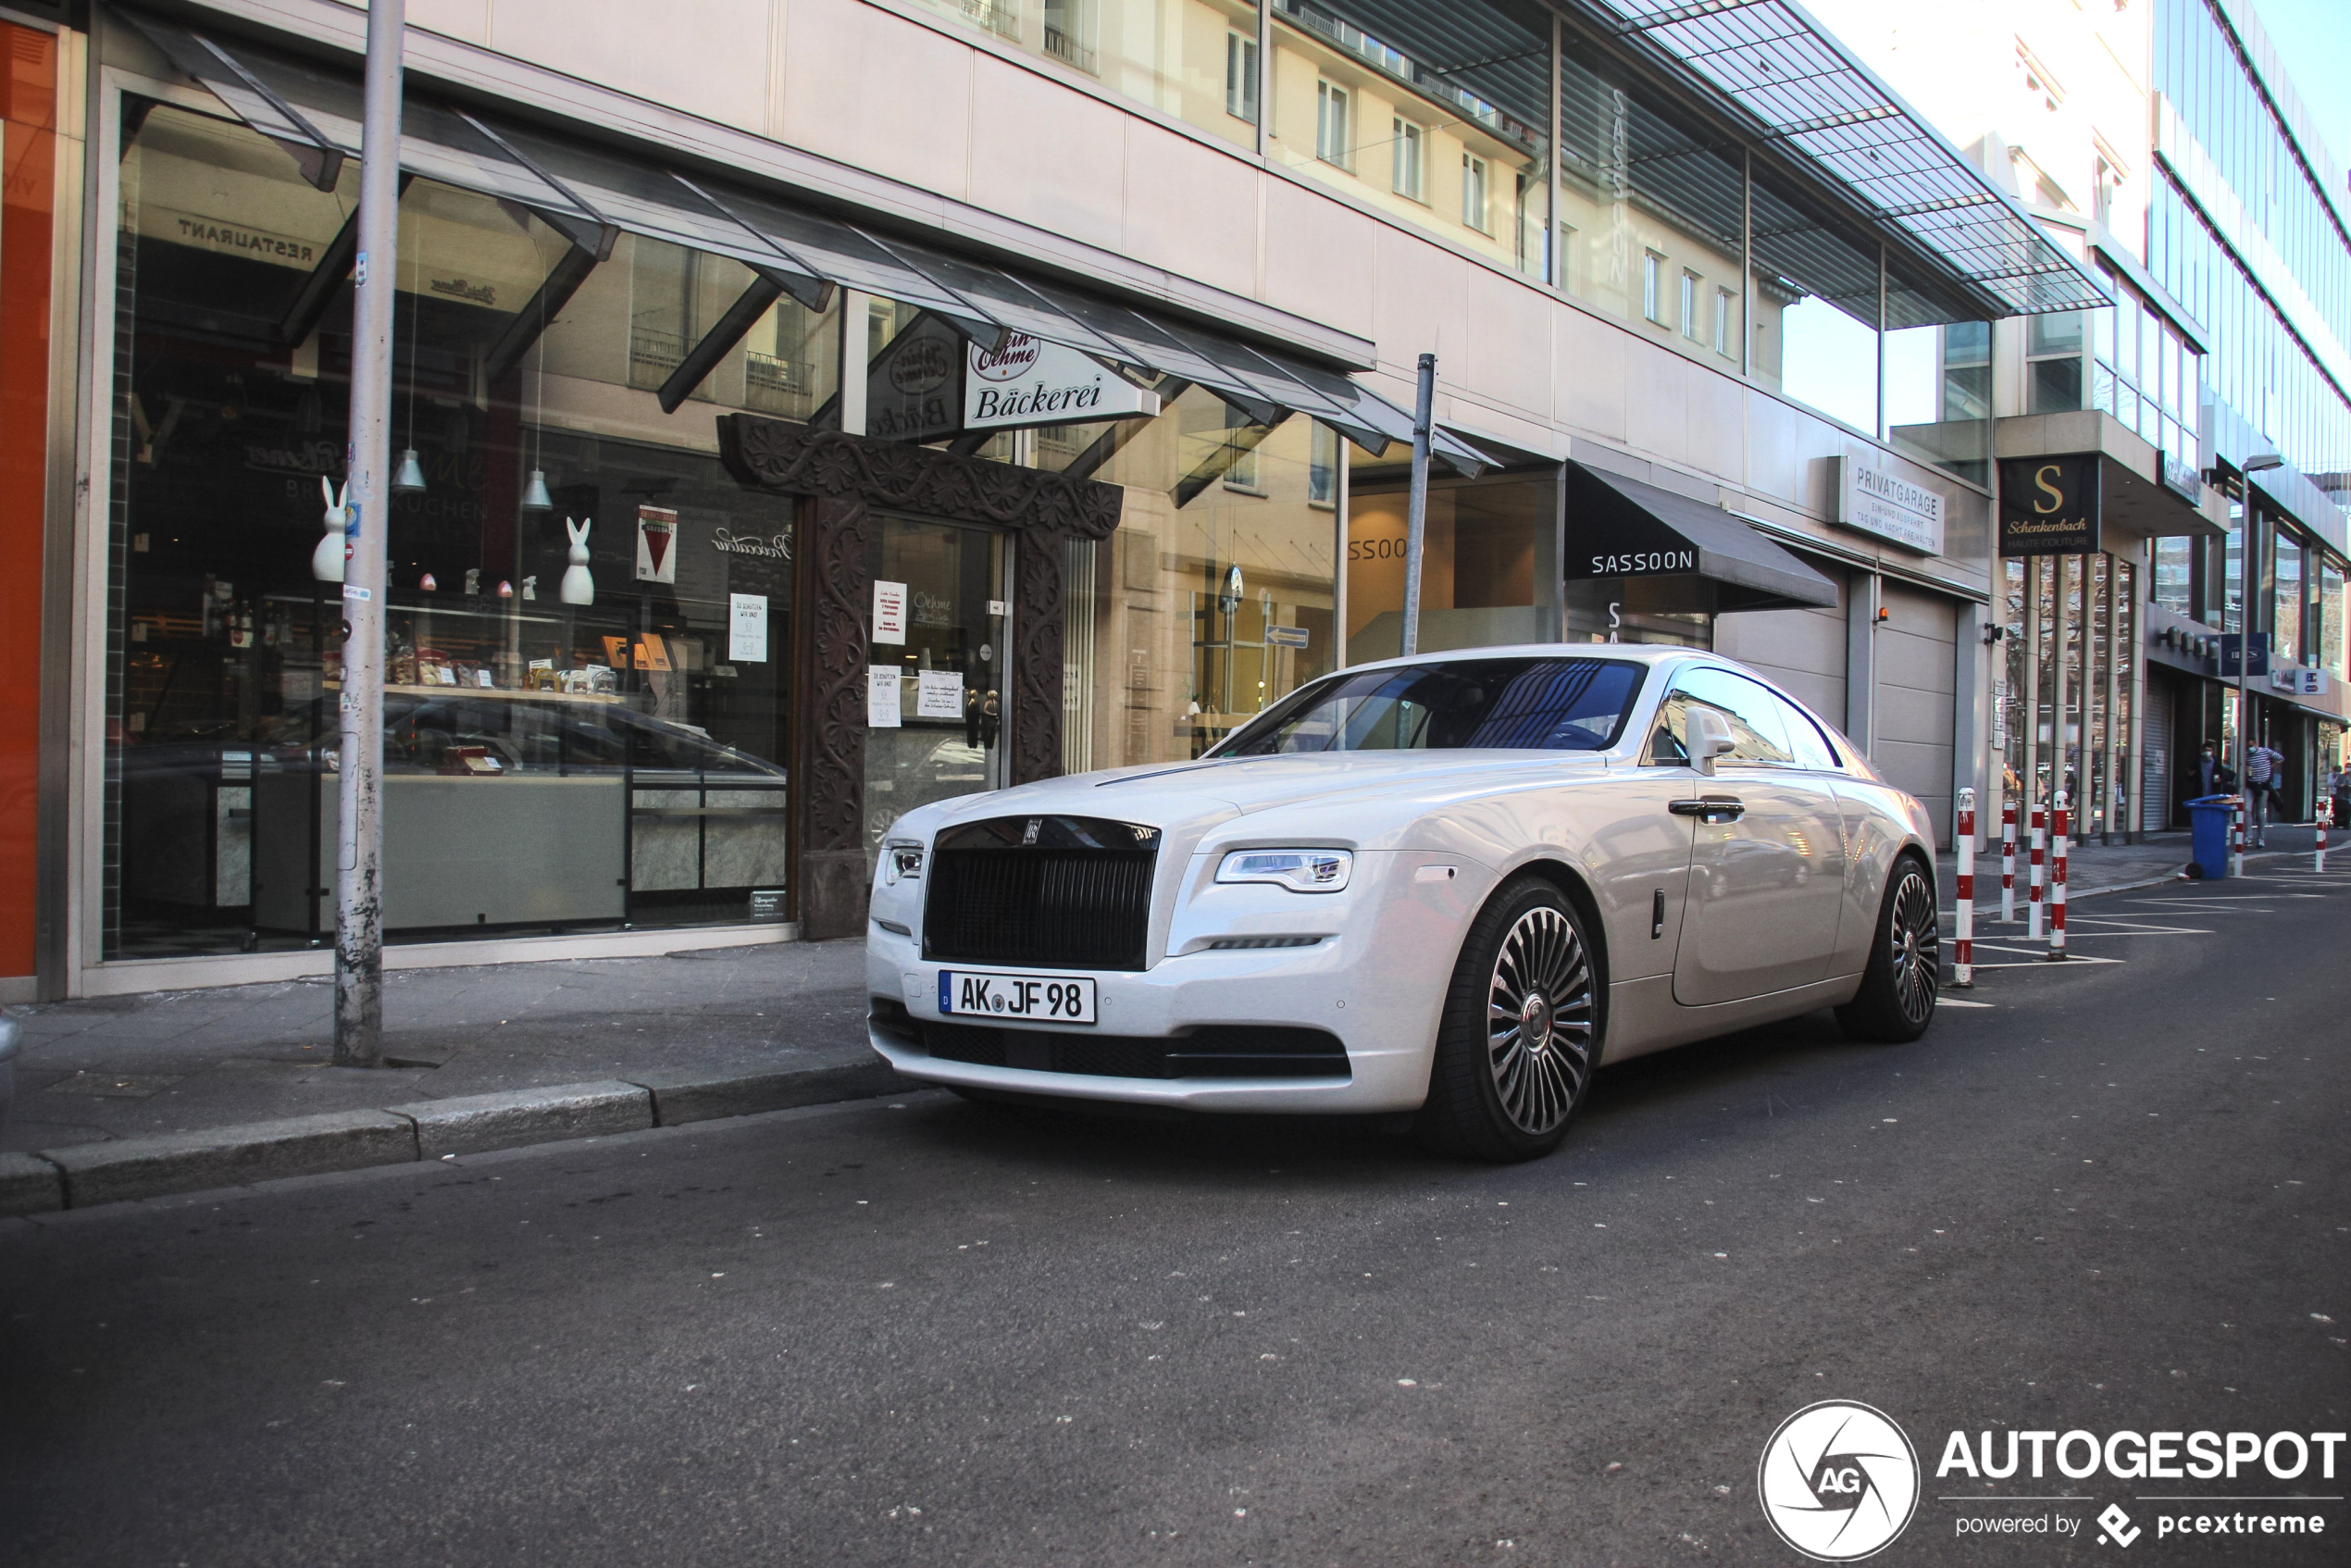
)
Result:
{"points": [[1653, 287], [1723, 342], [1410, 160], [2053, 347], [1322, 465], [1473, 194], [1689, 306], [1331, 142], [1069, 32], [1240, 440], [1240, 77]]}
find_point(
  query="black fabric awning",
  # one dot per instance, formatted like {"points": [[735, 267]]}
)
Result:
{"points": [[591, 193], [1618, 526]]}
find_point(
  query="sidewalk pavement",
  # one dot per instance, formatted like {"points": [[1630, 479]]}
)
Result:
{"points": [[172, 1091], [2098, 868], [138, 1095]]}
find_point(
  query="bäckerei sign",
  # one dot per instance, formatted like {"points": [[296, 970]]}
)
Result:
{"points": [[1029, 382]]}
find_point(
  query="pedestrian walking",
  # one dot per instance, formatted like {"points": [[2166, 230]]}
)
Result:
{"points": [[2260, 775]]}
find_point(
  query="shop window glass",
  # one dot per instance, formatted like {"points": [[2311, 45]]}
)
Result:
{"points": [[1488, 547], [568, 746], [2175, 576], [2285, 618], [1938, 383], [1212, 600], [2331, 623]]}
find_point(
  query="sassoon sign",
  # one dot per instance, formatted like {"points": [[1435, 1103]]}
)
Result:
{"points": [[1029, 382]]}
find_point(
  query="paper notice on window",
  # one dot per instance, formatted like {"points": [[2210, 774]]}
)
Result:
{"points": [[889, 613], [881, 697], [939, 694], [747, 627]]}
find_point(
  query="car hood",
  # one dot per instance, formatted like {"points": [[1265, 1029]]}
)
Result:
{"points": [[1195, 796]]}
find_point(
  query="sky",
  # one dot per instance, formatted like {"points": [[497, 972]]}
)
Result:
{"points": [[2313, 38]]}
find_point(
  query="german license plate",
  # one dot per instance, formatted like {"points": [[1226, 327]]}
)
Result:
{"points": [[1051, 998]]}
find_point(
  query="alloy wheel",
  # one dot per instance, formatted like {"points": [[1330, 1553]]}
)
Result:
{"points": [[1539, 1021], [1916, 939]]}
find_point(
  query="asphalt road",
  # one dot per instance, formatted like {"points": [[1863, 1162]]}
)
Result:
{"points": [[922, 1332]]}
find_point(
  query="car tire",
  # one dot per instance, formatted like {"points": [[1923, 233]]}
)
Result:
{"points": [[1896, 1001], [1521, 1032]]}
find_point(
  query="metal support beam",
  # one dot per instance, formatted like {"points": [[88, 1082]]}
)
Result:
{"points": [[539, 312], [1220, 462], [766, 288], [309, 306]]}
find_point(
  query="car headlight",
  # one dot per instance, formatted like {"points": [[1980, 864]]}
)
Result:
{"points": [[1302, 871], [901, 861]]}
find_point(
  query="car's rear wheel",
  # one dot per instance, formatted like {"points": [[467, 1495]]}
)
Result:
{"points": [[1521, 1031], [1899, 990]]}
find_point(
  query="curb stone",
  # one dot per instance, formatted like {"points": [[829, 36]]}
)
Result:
{"points": [[30, 1185], [84, 1174], [473, 1123], [231, 1156]]}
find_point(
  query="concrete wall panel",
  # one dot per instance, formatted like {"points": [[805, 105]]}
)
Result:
{"points": [[1319, 257], [1078, 189], [614, 43], [1191, 209], [876, 92]]}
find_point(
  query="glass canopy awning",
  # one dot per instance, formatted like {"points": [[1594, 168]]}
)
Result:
{"points": [[590, 195], [1805, 91]]}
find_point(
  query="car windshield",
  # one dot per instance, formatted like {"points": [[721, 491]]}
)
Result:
{"points": [[1459, 704]]}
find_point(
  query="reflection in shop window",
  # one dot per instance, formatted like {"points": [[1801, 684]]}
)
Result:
{"points": [[1211, 600], [569, 745], [1488, 543]]}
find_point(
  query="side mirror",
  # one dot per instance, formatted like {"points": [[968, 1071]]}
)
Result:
{"points": [[1708, 737]]}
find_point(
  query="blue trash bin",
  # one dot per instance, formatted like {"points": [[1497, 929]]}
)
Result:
{"points": [[2208, 835]]}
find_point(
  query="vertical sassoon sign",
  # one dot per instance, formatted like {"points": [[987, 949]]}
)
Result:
{"points": [[1030, 381]]}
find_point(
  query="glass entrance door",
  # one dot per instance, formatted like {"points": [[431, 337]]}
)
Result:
{"points": [[942, 593]]}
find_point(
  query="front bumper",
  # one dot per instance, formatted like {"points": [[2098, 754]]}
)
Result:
{"points": [[1383, 1009]]}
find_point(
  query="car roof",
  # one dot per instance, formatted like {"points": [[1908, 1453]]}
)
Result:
{"points": [[1635, 652]]}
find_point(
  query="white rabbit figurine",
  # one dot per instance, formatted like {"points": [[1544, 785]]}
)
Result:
{"points": [[325, 558], [579, 588]]}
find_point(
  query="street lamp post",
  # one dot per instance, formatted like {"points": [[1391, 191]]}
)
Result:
{"points": [[359, 1001]]}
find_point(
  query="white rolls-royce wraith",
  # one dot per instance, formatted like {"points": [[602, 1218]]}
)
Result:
{"points": [[1451, 885]]}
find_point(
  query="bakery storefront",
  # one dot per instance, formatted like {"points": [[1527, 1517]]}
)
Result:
{"points": [[724, 530]]}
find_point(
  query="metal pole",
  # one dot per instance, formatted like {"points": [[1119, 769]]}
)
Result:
{"points": [[1263, 87], [1416, 525], [359, 999], [1963, 960], [1556, 270]]}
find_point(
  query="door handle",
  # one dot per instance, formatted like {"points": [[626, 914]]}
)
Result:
{"points": [[1710, 808]]}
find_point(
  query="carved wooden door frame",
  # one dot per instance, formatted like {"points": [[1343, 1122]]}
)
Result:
{"points": [[841, 480]]}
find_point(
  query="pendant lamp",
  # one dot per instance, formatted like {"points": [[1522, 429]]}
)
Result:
{"points": [[409, 478], [534, 494]]}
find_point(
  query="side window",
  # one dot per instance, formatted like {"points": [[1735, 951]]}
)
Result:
{"points": [[1811, 748], [1754, 717]]}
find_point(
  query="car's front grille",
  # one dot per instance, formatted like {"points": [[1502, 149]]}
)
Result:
{"points": [[1068, 893], [1214, 1051]]}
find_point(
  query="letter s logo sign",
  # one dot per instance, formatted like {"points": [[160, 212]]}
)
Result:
{"points": [[2041, 482]]}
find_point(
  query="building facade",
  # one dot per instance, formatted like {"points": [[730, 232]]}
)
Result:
{"points": [[2164, 142], [821, 406]]}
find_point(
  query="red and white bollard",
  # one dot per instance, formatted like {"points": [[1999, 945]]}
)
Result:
{"points": [[2056, 884], [2008, 862], [1963, 955], [2326, 816], [2237, 836], [2032, 893]]}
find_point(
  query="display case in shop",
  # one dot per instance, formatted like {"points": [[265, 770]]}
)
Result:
{"points": [[541, 771]]}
